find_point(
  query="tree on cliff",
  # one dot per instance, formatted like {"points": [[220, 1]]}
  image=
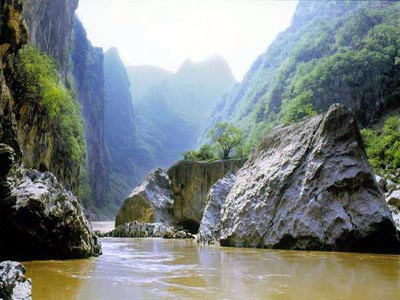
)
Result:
{"points": [[226, 137]]}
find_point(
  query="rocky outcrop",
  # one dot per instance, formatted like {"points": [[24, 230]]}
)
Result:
{"points": [[13, 284], [309, 186], [39, 219], [89, 80], [27, 125], [393, 201], [210, 225], [191, 181], [50, 24], [152, 201], [143, 230]]}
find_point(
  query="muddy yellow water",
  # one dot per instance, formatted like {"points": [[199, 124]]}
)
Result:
{"points": [[178, 269]]}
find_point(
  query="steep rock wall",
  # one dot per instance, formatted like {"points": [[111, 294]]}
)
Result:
{"points": [[39, 218], [89, 80], [50, 24], [119, 127], [191, 182]]}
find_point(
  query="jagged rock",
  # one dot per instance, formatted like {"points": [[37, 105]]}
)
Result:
{"points": [[39, 218], [381, 182], [396, 215], [390, 185], [309, 186], [50, 25], [13, 284], [152, 201], [210, 224], [139, 229], [394, 198], [145, 230], [191, 181]]}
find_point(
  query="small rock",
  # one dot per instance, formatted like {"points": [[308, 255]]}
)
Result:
{"points": [[13, 284], [390, 185], [394, 198], [396, 215], [381, 182]]}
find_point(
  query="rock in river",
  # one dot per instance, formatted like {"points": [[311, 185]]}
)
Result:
{"points": [[309, 186], [191, 181], [210, 224], [150, 202], [39, 218], [13, 284]]}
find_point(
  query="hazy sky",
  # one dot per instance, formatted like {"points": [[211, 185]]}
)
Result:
{"points": [[166, 32]]}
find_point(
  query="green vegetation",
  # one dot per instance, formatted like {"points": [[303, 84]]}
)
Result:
{"points": [[383, 145], [227, 139], [206, 153], [39, 81], [334, 52]]}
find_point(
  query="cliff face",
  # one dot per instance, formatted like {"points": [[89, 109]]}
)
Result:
{"points": [[50, 24], [191, 182], [334, 52], [309, 186], [35, 132], [89, 80], [39, 218], [119, 126]]}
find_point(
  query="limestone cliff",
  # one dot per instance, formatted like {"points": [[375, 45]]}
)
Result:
{"points": [[39, 218], [119, 127], [35, 132], [191, 181], [89, 81], [50, 24], [309, 186]]}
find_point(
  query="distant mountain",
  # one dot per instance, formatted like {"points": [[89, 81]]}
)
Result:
{"points": [[143, 77], [334, 51], [171, 108], [119, 126]]}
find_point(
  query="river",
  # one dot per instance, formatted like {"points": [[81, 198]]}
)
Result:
{"points": [[157, 269]]}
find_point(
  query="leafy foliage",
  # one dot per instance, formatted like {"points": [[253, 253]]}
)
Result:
{"points": [[206, 153], [39, 81], [383, 146], [334, 51], [227, 137]]}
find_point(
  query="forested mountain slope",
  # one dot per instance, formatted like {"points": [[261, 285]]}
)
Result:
{"points": [[334, 51]]}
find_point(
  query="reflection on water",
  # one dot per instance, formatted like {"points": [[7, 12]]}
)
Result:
{"points": [[178, 269]]}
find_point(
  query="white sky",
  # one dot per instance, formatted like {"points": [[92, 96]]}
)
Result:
{"points": [[166, 32]]}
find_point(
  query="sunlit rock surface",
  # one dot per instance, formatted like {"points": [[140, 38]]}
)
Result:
{"points": [[152, 201], [39, 218], [191, 181], [13, 284], [309, 186], [210, 224]]}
